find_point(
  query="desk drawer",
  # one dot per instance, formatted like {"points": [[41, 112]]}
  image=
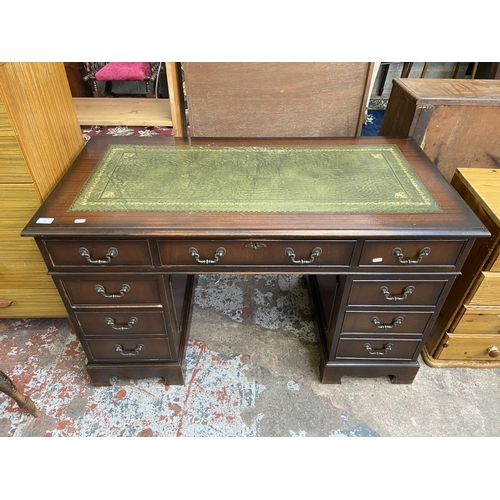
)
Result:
{"points": [[386, 322], [120, 291], [404, 292], [122, 322], [127, 349], [411, 253], [377, 349], [98, 254], [255, 253]]}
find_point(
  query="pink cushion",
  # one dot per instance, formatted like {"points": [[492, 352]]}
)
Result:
{"points": [[130, 71]]}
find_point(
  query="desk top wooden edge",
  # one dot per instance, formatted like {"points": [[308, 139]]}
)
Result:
{"points": [[456, 219]]}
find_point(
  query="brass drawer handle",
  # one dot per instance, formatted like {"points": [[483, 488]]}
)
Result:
{"points": [[493, 352], [385, 291], [398, 253], [131, 322], [135, 352], [381, 326], [315, 253], [385, 350], [112, 252], [220, 252], [123, 290]]}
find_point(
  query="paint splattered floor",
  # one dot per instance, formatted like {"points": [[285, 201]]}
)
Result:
{"points": [[252, 370]]}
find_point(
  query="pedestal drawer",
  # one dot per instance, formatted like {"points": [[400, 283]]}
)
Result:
{"points": [[386, 322], [377, 349], [203, 253], [119, 322], [98, 254], [411, 253], [396, 292], [126, 290], [126, 349]]}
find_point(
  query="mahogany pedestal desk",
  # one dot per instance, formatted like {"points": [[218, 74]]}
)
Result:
{"points": [[373, 224]]}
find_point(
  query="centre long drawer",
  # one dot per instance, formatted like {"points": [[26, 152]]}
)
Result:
{"points": [[212, 253]]}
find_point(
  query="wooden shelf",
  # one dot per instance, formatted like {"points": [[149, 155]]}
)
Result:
{"points": [[123, 111]]}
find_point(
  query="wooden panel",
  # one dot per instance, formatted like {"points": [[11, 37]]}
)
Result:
{"points": [[40, 108], [468, 347], [17, 201], [479, 320], [32, 303], [463, 136], [12, 165], [277, 99], [488, 292], [123, 111]]}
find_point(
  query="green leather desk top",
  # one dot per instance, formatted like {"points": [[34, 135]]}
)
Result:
{"points": [[372, 178]]}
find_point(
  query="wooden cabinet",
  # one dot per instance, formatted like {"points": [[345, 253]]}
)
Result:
{"points": [[39, 139], [468, 333], [454, 121]]}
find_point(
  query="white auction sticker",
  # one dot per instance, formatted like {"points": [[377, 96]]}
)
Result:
{"points": [[45, 220], [80, 221], [377, 259]]}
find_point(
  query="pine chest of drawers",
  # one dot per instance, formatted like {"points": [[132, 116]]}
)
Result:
{"points": [[468, 331], [379, 265]]}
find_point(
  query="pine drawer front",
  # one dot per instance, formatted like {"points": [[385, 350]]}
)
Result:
{"points": [[377, 348], [478, 347], [121, 322], [98, 254], [32, 302], [129, 350], [386, 323], [13, 167], [266, 253], [391, 293], [488, 293], [411, 253], [111, 291], [479, 320], [25, 274], [12, 245], [495, 267], [18, 202]]}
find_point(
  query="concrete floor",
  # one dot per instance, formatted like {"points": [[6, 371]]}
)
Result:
{"points": [[252, 370]]}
